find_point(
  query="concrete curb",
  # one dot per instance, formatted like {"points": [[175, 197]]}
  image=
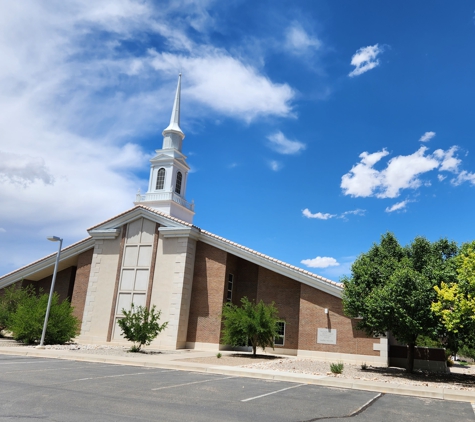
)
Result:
{"points": [[170, 362]]}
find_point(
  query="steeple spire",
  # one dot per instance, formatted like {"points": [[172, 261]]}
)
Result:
{"points": [[169, 171], [173, 135]]}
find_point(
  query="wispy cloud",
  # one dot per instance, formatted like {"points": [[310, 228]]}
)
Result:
{"points": [[24, 170], [298, 41], [275, 165], [320, 262], [365, 59], [427, 136], [320, 216], [464, 176], [402, 172], [2, 230], [398, 206], [279, 143], [326, 216]]}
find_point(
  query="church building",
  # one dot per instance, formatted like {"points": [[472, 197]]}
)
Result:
{"points": [[152, 254]]}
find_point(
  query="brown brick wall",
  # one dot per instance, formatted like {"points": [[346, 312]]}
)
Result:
{"points": [[63, 285], [312, 316], [78, 298], [285, 292], [209, 279], [246, 281]]}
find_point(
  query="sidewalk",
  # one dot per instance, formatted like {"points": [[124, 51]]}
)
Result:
{"points": [[177, 361]]}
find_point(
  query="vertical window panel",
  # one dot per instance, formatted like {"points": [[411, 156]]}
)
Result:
{"points": [[179, 178], [160, 179]]}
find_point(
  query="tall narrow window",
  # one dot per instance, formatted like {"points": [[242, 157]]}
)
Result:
{"points": [[178, 183], [160, 179], [229, 296], [280, 337]]}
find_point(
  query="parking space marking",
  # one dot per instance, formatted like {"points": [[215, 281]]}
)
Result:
{"points": [[273, 392], [110, 376], [473, 407], [48, 369], [191, 383], [24, 363]]}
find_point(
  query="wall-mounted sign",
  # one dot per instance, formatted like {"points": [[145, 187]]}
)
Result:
{"points": [[326, 336]]}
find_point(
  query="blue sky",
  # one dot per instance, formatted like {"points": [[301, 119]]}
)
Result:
{"points": [[312, 127]]}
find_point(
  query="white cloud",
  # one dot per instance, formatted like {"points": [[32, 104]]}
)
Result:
{"points": [[398, 206], [441, 177], [326, 216], [226, 84], [275, 165], [282, 145], [74, 97], [298, 41], [23, 170], [464, 176], [449, 162], [365, 59], [427, 136], [320, 262], [353, 212], [2, 230], [402, 172], [320, 216]]}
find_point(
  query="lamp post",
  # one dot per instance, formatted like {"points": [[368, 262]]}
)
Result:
{"points": [[55, 271]]}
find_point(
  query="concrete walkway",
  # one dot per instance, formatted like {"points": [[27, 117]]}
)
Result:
{"points": [[177, 360]]}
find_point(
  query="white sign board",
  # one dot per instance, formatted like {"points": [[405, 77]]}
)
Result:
{"points": [[326, 336]]}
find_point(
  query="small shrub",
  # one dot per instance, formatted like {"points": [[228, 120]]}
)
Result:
{"points": [[219, 355], [450, 362], [364, 367], [27, 321], [336, 368], [141, 326]]}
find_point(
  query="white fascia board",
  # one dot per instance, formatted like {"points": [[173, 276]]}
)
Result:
{"points": [[273, 266], [103, 234], [191, 232], [45, 262], [134, 214]]}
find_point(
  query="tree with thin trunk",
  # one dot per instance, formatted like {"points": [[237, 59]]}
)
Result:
{"points": [[253, 323], [391, 288]]}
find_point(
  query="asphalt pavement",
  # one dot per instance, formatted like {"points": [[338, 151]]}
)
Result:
{"points": [[56, 389]]}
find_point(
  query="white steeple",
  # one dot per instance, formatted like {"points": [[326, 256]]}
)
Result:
{"points": [[169, 171]]}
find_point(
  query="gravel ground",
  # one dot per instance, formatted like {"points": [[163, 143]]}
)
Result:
{"points": [[460, 378]]}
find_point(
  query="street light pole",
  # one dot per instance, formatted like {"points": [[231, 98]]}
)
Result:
{"points": [[55, 271]]}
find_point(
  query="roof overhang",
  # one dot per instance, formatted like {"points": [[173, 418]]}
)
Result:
{"points": [[45, 266]]}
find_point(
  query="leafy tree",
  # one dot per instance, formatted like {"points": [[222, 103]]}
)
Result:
{"points": [[251, 322], [455, 304], [28, 319], [392, 288], [140, 325], [9, 300]]}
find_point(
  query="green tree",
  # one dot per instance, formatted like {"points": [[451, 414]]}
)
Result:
{"points": [[9, 300], [455, 302], [28, 319], [391, 288], [140, 325], [251, 322]]}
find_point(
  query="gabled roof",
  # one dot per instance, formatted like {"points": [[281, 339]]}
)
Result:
{"points": [[43, 265], [109, 229]]}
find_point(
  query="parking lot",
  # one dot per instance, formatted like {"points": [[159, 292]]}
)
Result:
{"points": [[61, 390]]}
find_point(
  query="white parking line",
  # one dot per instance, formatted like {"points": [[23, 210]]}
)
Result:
{"points": [[273, 392], [110, 376], [190, 383], [473, 407], [47, 369], [25, 363]]}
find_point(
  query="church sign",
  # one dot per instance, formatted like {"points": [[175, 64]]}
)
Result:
{"points": [[326, 336]]}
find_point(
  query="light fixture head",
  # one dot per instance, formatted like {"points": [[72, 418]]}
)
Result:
{"points": [[326, 310], [54, 238]]}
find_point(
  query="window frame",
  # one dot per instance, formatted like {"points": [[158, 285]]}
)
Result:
{"points": [[179, 182], [229, 288], [160, 178], [280, 336]]}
